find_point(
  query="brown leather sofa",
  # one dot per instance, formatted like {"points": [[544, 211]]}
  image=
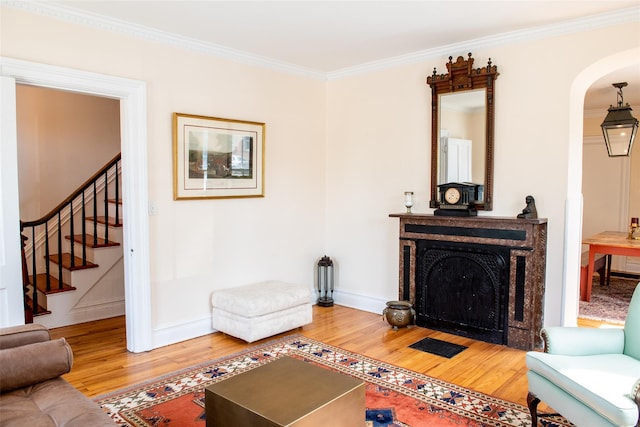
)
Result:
{"points": [[32, 393]]}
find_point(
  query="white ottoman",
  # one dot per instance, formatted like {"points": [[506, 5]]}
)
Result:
{"points": [[260, 310]]}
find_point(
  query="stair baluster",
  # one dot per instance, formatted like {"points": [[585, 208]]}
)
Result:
{"points": [[59, 255], [35, 272], [106, 208], [42, 226], [95, 215], [28, 311], [84, 232], [117, 187], [72, 249], [47, 267]]}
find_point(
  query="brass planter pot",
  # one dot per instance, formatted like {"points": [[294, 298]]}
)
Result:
{"points": [[399, 314]]}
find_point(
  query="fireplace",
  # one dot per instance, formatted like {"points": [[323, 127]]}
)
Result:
{"points": [[462, 288], [478, 277]]}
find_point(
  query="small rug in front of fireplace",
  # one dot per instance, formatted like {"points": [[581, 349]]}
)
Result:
{"points": [[438, 347]]}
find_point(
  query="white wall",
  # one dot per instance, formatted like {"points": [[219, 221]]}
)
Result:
{"points": [[603, 177], [197, 246], [633, 264], [339, 156], [378, 147], [64, 135]]}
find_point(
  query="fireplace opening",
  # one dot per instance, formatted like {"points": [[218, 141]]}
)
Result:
{"points": [[462, 288]]}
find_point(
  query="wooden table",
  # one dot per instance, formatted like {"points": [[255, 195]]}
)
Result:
{"points": [[608, 243]]}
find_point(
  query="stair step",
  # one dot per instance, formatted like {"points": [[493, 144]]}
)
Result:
{"points": [[105, 220], [41, 284], [66, 262], [102, 243], [41, 310], [114, 201]]}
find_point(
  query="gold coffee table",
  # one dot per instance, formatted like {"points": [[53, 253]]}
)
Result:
{"points": [[286, 392]]}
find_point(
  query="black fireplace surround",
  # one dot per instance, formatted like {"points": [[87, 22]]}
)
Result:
{"points": [[462, 288]]}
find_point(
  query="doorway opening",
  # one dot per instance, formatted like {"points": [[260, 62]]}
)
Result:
{"points": [[65, 142], [133, 136], [574, 204]]}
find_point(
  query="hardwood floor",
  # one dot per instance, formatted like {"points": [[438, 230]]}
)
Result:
{"points": [[102, 364]]}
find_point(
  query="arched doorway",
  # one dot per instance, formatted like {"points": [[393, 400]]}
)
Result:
{"points": [[573, 204]]}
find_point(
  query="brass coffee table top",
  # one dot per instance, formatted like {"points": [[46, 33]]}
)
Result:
{"points": [[282, 391]]}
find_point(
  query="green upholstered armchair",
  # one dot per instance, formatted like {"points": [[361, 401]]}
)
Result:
{"points": [[590, 376]]}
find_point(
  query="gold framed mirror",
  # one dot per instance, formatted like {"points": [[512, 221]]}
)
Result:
{"points": [[462, 128]]}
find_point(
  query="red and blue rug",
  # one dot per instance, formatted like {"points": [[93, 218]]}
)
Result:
{"points": [[394, 396]]}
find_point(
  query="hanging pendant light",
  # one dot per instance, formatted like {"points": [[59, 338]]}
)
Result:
{"points": [[619, 127]]}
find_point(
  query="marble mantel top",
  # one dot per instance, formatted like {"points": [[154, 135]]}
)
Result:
{"points": [[428, 217]]}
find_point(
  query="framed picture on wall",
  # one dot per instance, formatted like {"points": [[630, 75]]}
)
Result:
{"points": [[217, 158]]}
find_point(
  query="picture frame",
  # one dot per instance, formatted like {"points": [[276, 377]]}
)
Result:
{"points": [[217, 158]]}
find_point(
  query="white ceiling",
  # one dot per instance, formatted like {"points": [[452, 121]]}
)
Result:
{"points": [[328, 36]]}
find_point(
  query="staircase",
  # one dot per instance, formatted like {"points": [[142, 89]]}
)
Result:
{"points": [[72, 257]]}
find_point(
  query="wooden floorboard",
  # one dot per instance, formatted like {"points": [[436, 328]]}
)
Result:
{"points": [[102, 364]]}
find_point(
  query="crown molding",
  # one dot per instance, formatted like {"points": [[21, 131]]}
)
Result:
{"points": [[100, 22], [577, 25], [138, 31], [602, 112]]}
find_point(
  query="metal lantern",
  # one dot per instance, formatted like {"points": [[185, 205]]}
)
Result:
{"points": [[325, 282], [619, 127]]}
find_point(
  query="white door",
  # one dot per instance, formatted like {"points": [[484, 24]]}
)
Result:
{"points": [[457, 160]]}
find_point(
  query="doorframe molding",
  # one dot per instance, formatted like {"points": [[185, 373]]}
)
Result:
{"points": [[133, 133]]}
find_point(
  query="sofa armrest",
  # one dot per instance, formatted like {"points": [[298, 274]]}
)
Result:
{"points": [[16, 336], [577, 341], [34, 363]]}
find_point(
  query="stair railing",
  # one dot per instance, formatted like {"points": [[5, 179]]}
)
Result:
{"points": [[41, 230]]}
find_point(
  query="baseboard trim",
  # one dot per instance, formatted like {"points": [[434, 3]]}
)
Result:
{"points": [[633, 266], [360, 302], [625, 275], [96, 311], [172, 334]]}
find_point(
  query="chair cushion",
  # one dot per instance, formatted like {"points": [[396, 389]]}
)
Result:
{"points": [[602, 382], [260, 298]]}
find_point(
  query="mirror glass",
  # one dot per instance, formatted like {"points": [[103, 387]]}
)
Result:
{"points": [[462, 134], [462, 114]]}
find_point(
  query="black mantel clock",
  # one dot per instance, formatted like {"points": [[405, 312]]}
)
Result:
{"points": [[457, 199]]}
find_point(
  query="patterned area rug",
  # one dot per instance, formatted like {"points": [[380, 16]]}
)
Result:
{"points": [[609, 303], [395, 396]]}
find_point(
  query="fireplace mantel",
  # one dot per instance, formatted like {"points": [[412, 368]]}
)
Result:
{"points": [[523, 241]]}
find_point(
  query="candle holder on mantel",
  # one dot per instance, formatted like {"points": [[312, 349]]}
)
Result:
{"points": [[408, 200], [634, 229]]}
